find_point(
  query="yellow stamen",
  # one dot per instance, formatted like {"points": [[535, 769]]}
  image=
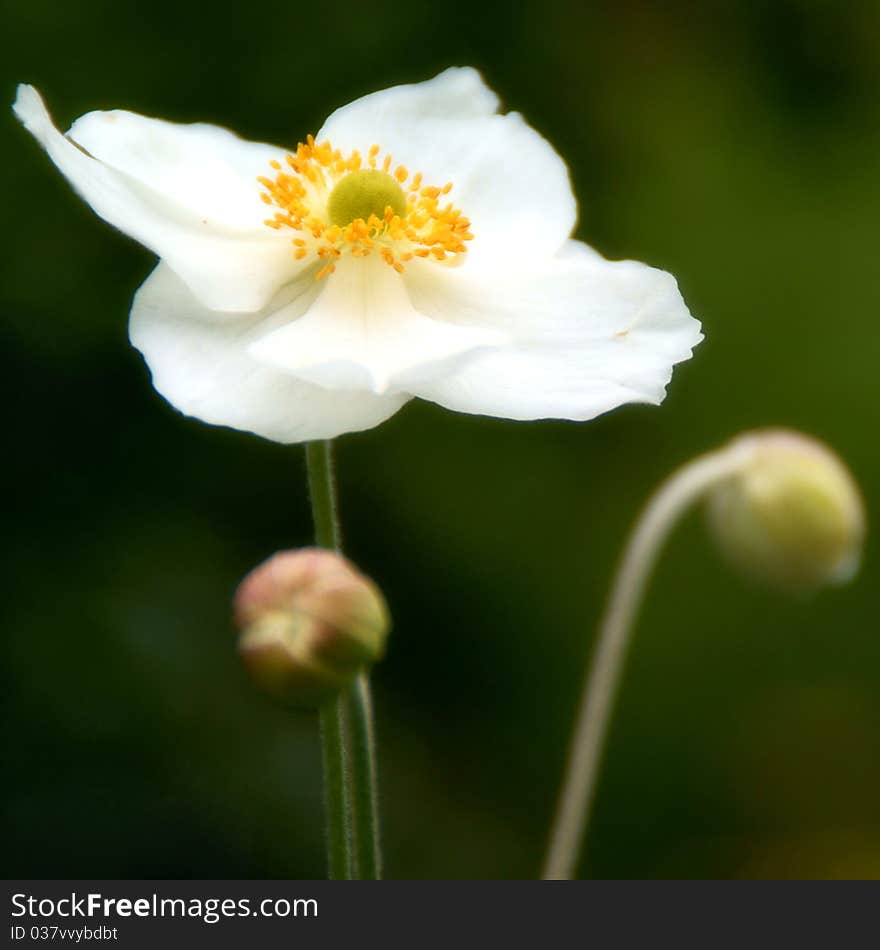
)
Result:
{"points": [[342, 204]]}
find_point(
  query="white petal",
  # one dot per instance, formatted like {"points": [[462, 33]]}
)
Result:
{"points": [[456, 93], [589, 335], [147, 188], [208, 170], [506, 178], [362, 332], [201, 365]]}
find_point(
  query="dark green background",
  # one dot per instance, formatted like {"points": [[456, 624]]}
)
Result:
{"points": [[737, 145]]}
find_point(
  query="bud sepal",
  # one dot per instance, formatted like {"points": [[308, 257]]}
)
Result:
{"points": [[792, 515], [310, 622]]}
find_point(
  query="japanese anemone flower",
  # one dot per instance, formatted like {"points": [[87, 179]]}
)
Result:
{"points": [[418, 245]]}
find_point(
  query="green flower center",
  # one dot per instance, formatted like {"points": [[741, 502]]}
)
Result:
{"points": [[364, 193]]}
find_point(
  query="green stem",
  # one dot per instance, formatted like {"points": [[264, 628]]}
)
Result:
{"points": [[364, 784], [322, 493], [347, 729], [335, 803]]}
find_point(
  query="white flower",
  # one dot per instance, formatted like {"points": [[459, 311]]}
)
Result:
{"points": [[446, 272]]}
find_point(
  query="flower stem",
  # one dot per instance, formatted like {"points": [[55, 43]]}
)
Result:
{"points": [[347, 731], [364, 784], [656, 521], [335, 794], [322, 492]]}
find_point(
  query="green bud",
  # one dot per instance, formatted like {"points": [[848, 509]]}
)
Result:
{"points": [[310, 622], [365, 193], [792, 516]]}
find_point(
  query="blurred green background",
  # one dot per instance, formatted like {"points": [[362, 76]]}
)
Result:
{"points": [[735, 144]]}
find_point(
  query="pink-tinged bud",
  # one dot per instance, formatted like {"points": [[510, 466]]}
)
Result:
{"points": [[310, 622], [793, 516]]}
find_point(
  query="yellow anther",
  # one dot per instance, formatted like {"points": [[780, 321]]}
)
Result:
{"points": [[338, 206]]}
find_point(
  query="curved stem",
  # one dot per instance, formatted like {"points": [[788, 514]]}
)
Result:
{"points": [[659, 516], [347, 730]]}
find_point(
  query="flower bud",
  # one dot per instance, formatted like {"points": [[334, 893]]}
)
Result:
{"points": [[310, 623], [792, 516]]}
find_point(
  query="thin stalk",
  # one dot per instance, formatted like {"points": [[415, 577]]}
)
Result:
{"points": [[322, 492], [335, 792], [364, 781], [653, 527], [347, 729]]}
